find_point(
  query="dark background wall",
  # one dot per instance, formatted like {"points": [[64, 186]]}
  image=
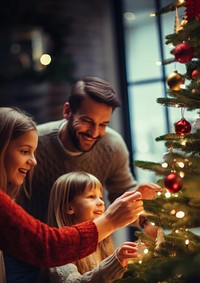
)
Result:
{"points": [[79, 36]]}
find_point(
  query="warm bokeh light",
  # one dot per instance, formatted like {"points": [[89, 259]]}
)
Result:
{"points": [[164, 165], [187, 242], [180, 214], [45, 59], [167, 195]]}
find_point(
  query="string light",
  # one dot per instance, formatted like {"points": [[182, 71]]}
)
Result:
{"points": [[173, 211], [159, 63], [187, 242], [164, 165], [183, 142], [181, 164], [167, 194], [180, 214], [181, 1]]}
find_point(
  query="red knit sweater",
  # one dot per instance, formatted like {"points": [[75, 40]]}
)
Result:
{"points": [[32, 241]]}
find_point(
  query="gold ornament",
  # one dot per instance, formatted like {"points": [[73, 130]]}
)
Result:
{"points": [[177, 25], [175, 80]]}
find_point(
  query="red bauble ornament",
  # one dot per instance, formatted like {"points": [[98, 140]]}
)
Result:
{"points": [[173, 183], [183, 52], [182, 127], [196, 75]]}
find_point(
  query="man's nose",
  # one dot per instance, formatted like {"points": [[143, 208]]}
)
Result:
{"points": [[94, 131]]}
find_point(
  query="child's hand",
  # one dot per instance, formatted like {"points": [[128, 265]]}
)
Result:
{"points": [[127, 251]]}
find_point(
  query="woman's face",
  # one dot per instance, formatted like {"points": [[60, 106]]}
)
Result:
{"points": [[19, 157], [88, 206]]}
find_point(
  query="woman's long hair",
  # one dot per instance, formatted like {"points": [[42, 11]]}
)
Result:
{"points": [[64, 190], [13, 123]]}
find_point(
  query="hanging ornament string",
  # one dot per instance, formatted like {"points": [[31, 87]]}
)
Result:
{"points": [[182, 112]]}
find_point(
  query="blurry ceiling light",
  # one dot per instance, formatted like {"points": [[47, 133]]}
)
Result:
{"points": [[129, 16], [45, 59]]}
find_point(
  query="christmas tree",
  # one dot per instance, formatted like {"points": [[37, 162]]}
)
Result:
{"points": [[169, 245]]}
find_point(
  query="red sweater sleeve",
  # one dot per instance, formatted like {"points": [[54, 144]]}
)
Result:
{"points": [[32, 241]]}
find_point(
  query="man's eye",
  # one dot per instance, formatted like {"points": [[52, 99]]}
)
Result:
{"points": [[86, 121], [24, 151]]}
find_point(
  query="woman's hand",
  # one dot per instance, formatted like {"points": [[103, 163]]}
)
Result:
{"points": [[149, 190]]}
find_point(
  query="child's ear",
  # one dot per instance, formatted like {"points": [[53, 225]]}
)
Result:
{"points": [[70, 210]]}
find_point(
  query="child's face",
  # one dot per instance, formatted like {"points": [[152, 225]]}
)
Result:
{"points": [[88, 206], [19, 157]]}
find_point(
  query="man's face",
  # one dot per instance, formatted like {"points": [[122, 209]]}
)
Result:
{"points": [[87, 126]]}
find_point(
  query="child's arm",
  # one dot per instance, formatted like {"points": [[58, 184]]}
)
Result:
{"points": [[127, 251]]}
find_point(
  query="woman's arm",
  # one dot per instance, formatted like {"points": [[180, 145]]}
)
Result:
{"points": [[30, 240]]}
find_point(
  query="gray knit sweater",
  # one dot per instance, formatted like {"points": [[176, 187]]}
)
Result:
{"points": [[108, 161], [107, 271]]}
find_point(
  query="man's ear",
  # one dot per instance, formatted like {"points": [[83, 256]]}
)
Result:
{"points": [[70, 210], [66, 111]]}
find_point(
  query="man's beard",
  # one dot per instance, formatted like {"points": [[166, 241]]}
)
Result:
{"points": [[74, 139]]}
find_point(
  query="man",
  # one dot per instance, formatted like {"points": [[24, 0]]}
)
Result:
{"points": [[82, 141]]}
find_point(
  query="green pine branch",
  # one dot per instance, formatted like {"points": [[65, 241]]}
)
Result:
{"points": [[169, 8]]}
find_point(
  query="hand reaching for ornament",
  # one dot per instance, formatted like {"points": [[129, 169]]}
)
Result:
{"points": [[148, 228], [149, 190], [127, 251]]}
